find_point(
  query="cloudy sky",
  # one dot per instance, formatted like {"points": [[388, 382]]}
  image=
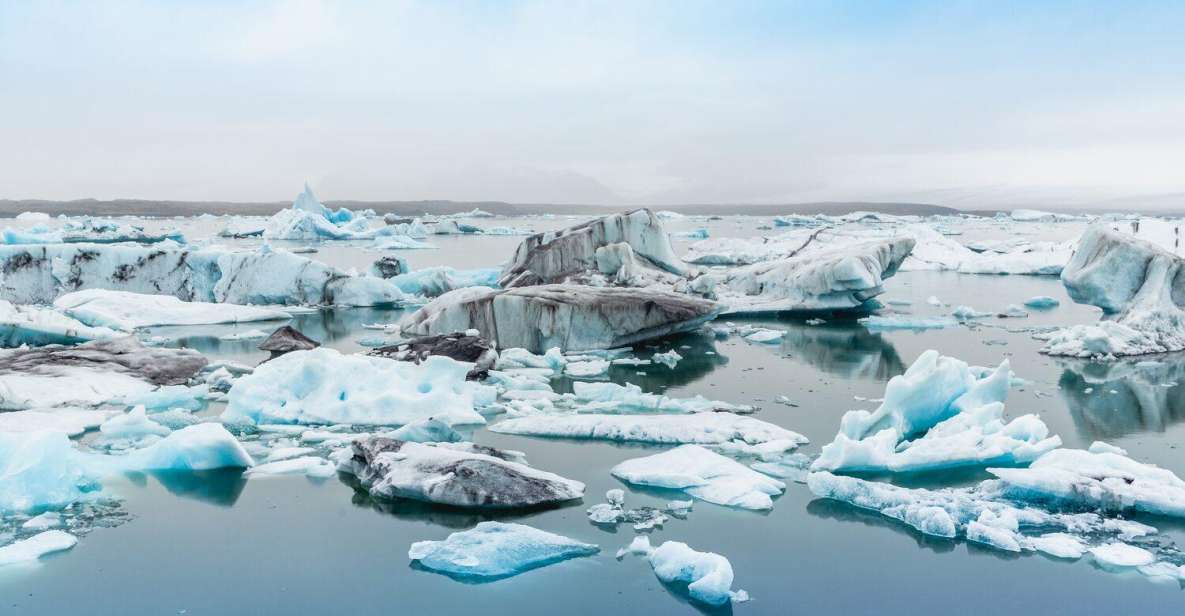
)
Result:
{"points": [[970, 104]]}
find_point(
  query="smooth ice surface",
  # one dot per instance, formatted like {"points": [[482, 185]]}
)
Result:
{"points": [[611, 396], [68, 421], [128, 311], [703, 474], [494, 550], [701, 428], [323, 386], [1121, 555], [33, 548]]}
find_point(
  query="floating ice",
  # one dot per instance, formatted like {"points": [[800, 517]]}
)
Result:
{"points": [[668, 359], [611, 396], [33, 548], [70, 422], [573, 318], [323, 386], [967, 312], [307, 219], [1136, 283], [1121, 555], [37, 326], [937, 415], [436, 281], [127, 311], [702, 474], [129, 430], [1041, 302], [592, 369], [891, 322], [452, 474], [312, 466], [708, 575], [493, 550], [701, 428]]}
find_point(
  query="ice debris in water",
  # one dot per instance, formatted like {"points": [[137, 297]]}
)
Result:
{"points": [[323, 386], [708, 575], [700, 428], [702, 474], [458, 474], [937, 415], [493, 550], [127, 311], [614, 512], [669, 359], [37, 326], [33, 548], [895, 321]]}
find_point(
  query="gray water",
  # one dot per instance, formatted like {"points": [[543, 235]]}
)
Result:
{"points": [[216, 543]]}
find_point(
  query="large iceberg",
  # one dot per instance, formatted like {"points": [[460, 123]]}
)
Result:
{"points": [[127, 311], [90, 374], [572, 254], [323, 386], [307, 219], [573, 318], [1138, 285], [452, 474], [703, 474], [493, 550], [938, 414], [41, 274], [37, 326], [702, 428]]}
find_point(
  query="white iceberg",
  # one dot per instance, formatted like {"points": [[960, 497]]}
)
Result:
{"points": [[938, 414], [493, 550], [708, 575], [323, 386], [307, 219], [68, 421], [33, 548], [37, 326], [127, 311], [702, 474]]}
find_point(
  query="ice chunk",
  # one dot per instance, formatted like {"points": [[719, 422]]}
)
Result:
{"points": [[198, 447], [967, 312], [592, 369], [891, 322], [307, 219], [937, 415], [702, 474], [612, 396], [701, 428], [1060, 545], [1120, 555], [33, 548], [453, 475], [557, 256], [493, 550], [573, 318], [1103, 481], [708, 575], [130, 430], [1137, 285], [430, 430], [1041, 302], [40, 274], [669, 359], [305, 465], [91, 373], [127, 311], [36, 326], [70, 422], [322, 386], [436, 281]]}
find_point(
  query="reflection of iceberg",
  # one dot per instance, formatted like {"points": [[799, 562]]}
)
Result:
{"points": [[1108, 400], [221, 486], [844, 349]]}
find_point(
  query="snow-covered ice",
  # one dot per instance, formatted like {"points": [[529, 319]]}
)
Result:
{"points": [[127, 311], [700, 428], [493, 550], [702, 474], [33, 548]]}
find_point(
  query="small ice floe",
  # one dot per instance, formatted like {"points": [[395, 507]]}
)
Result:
{"points": [[708, 575], [1013, 312], [893, 321], [702, 474], [1041, 302], [614, 512], [494, 550], [128, 311], [313, 466], [762, 335], [964, 313], [699, 428], [938, 414], [592, 369], [31, 549], [68, 421], [668, 359], [614, 397]]}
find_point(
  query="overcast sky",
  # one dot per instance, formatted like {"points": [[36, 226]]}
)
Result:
{"points": [[961, 103]]}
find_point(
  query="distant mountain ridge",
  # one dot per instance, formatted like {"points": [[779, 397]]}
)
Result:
{"points": [[164, 208]]}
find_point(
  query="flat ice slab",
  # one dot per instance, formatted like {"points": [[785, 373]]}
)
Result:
{"points": [[127, 311], [703, 474], [493, 550]]}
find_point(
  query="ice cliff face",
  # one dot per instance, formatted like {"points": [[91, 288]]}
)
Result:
{"points": [[40, 274], [1139, 286], [573, 318], [556, 256]]}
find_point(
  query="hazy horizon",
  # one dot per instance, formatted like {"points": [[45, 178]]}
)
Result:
{"points": [[966, 105]]}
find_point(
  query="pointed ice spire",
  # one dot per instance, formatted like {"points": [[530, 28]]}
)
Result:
{"points": [[307, 202]]}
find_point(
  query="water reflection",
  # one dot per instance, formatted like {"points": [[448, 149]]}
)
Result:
{"points": [[828, 509], [845, 349], [1113, 399], [221, 487]]}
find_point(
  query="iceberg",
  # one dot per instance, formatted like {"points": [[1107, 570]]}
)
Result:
{"points": [[323, 386], [572, 253], [436, 281], [87, 230], [33, 548], [702, 474], [701, 428], [1136, 283], [91, 373], [128, 311], [307, 219], [572, 318], [451, 475], [37, 326], [41, 274], [938, 414], [493, 550], [708, 575], [1041, 302], [1100, 479]]}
